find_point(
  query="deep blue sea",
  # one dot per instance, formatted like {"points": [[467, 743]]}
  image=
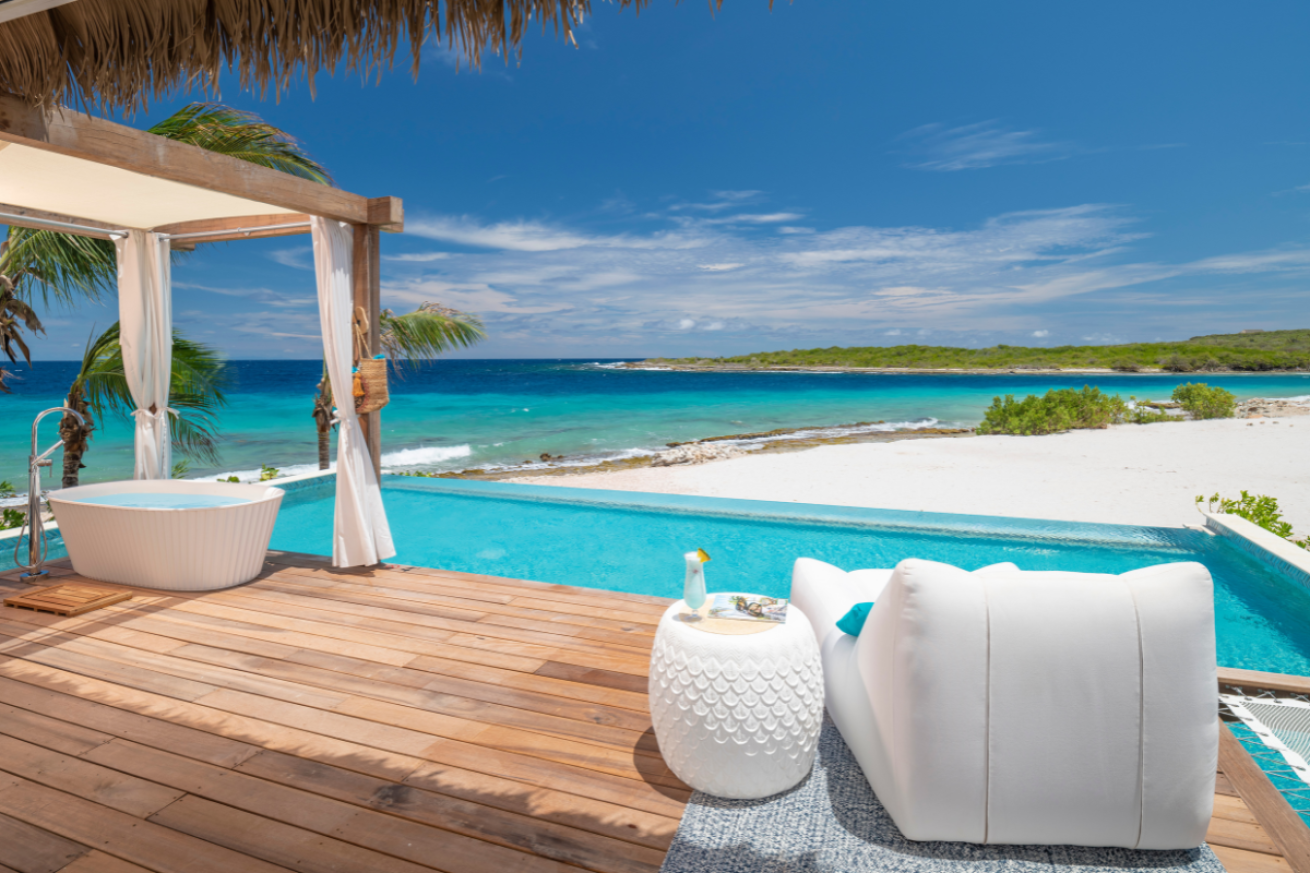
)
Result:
{"points": [[458, 414]]}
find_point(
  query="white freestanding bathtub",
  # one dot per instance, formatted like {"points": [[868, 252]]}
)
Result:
{"points": [[167, 533]]}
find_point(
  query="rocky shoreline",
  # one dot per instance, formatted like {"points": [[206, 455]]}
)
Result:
{"points": [[1264, 407], [709, 449], [712, 448]]}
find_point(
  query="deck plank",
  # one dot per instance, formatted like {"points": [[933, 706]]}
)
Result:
{"points": [[33, 850], [124, 836], [1284, 827], [1244, 861], [321, 754], [398, 588], [519, 619], [96, 861]]}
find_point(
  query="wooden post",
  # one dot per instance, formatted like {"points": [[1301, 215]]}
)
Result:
{"points": [[368, 294]]}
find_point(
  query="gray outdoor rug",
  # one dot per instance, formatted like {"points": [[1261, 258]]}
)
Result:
{"points": [[833, 823]]}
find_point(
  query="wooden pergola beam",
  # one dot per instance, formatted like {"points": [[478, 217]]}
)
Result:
{"points": [[386, 214], [241, 227], [81, 136], [367, 293]]}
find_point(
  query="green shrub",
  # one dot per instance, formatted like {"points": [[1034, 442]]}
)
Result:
{"points": [[1144, 414], [1202, 401], [1060, 410], [10, 518], [1259, 509], [266, 472]]}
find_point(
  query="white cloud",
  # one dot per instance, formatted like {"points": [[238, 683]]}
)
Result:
{"points": [[520, 236], [974, 146], [533, 236], [298, 258], [418, 257], [549, 282], [722, 200], [767, 218]]}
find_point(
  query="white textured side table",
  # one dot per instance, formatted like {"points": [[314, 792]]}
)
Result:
{"points": [[737, 716]]}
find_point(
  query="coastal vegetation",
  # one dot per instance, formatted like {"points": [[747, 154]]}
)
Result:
{"points": [[1261, 510], [10, 518], [1066, 409], [1058, 411], [1252, 352], [1199, 400]]}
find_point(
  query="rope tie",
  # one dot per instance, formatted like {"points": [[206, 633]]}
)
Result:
{"points": [[361, 335], [137, 413]]}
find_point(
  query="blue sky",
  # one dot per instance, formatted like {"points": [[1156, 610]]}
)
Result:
{"points": [[831, 172]]}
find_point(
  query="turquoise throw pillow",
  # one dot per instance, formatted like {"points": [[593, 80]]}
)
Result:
{"points": [[853, 622]]}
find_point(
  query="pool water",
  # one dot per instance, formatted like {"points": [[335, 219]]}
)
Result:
{"points": [[162, 500], [634, 542]]}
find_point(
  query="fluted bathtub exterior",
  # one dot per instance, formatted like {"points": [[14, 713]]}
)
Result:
{"points": [[200, 549]]}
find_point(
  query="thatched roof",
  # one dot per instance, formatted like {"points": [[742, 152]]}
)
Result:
{"points": [[117, 54]]}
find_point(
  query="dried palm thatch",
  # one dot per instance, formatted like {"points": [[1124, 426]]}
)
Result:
{"points": [[118, 54]]}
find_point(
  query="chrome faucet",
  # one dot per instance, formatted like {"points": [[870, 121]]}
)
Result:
{"points": [[32, 525]]}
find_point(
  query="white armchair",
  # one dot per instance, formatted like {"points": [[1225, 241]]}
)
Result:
{"points": [[1016, 707]]}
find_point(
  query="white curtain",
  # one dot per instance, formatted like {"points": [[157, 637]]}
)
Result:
{"points": [[361, 535], [145, 316]]}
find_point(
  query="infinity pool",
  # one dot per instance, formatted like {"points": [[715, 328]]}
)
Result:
{"points": [[634, 542]]}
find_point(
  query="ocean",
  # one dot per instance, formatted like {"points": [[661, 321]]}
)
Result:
{"points": [[464, 414]]}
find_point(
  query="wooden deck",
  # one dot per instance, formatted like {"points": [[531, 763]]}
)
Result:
{"points": [[400, 719], [390, 720]]}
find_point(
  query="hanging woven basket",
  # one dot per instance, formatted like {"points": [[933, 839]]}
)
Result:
{"points": [[370, 388]]}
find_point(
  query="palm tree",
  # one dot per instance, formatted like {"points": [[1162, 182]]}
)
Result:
{"points": [[64, 269], [101, 386], [412, 338]]}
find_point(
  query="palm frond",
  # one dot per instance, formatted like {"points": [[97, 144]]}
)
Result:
{"points": [[196, 389], [427, 332], [59, 266], [199, 374], [242, 135], [15, 317], [101, 378]]}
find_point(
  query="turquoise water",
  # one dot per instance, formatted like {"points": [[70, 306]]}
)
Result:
{"points": [[635, 542], [139, 500], [464, 414]]}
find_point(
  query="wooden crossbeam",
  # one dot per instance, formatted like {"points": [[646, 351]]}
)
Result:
{"points": [[241, 227]]}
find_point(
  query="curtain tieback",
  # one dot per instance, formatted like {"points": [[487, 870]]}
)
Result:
{"points": [[139, 413]]}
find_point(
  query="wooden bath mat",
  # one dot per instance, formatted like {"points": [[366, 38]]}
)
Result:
{"points": [[70, 599]]}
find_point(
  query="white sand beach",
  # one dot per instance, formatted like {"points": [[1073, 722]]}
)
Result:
{"points": [[1128, 474]]}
